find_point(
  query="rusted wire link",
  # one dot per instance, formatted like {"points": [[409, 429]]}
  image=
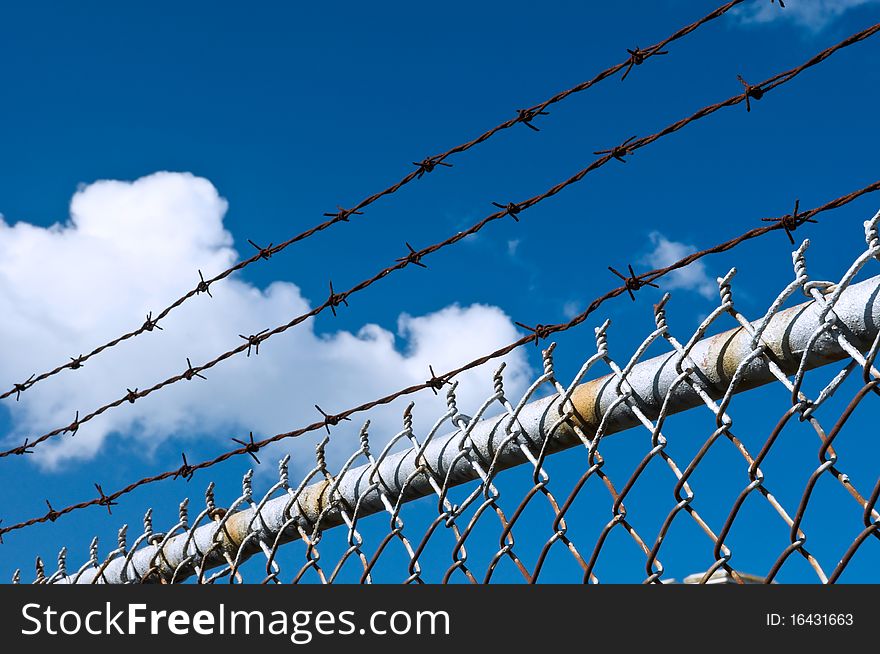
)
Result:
{"points": [[336, 299], [838, 324], [437, 381], [427, 165]]}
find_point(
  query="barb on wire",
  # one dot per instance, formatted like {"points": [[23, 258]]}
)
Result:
{"points": [[754, 92], [265, 253], [52, 515], [185, 471], [539, 331], [73, 427], [342, 215], [202, 287], [791, 222], [24, 448], [250, 447], [253, 341], [511, 209], [412, 258], [18, 389], [526, 116], [633, 282], [335, 299], [428, 164], [620, 151], [148, 326], [638, 56], [436, 383], [331, 420], [192, 372], [104, 500]]}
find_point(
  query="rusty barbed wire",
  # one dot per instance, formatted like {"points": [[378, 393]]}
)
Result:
{"points": [[336, 299], [427, 165], [436, 382], [840, 322]]}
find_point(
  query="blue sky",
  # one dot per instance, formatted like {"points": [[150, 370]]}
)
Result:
{"points": [[287, 112]]}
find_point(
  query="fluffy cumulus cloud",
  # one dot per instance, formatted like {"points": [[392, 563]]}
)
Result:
{"points": [[128, 248], [813, 15], [692, 277]]}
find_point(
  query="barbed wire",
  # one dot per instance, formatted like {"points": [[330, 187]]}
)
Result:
{"points": [[335, 299], [524, 116], [839, 322], [251, 447]]}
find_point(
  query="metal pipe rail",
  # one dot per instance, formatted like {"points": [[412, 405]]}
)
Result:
{"points": [[550, 425]]}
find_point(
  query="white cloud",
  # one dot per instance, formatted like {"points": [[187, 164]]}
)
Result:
{"points": [[813, 15], [571, 309], [513, 246], [129, 248], [692, 277]]}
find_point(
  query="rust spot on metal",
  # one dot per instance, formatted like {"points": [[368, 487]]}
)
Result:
{"points": [[314, 500], [587, 410], [236, 528]]}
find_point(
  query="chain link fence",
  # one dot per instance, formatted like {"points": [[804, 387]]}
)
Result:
{"points": [[473, 499]]}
